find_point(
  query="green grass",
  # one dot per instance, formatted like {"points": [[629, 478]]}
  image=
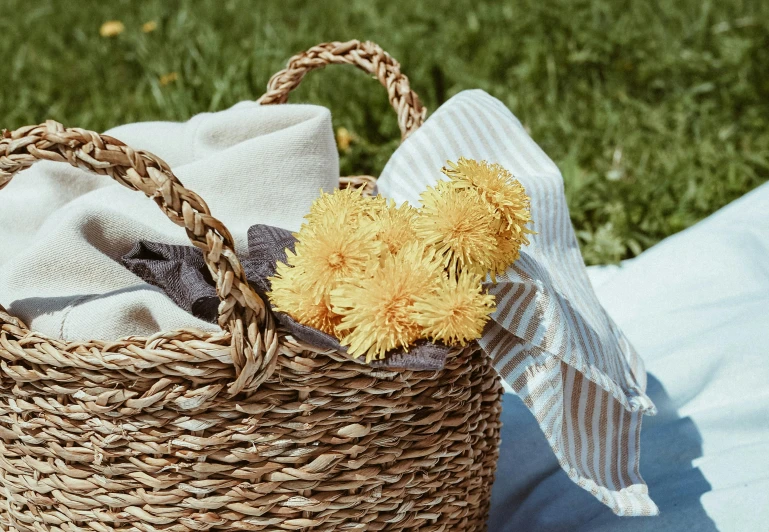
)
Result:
{"points": [[655, 111]]}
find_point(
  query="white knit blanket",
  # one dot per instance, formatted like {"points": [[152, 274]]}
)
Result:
{"points": [[62, 230]]}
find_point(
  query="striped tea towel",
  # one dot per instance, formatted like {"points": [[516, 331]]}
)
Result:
{"points": [[550, 339]]}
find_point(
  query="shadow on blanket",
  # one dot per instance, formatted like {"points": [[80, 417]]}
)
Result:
{"points": [[33, 307], [29, 308], [533, 493]]}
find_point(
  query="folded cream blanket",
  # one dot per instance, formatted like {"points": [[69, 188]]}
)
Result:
{"points": [[63, 230]]}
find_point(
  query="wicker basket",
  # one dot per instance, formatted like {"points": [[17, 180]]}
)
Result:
{"points": [[247, 429]]}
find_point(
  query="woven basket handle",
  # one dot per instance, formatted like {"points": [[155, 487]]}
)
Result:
{"points": [[368, 57], [242, 312]]}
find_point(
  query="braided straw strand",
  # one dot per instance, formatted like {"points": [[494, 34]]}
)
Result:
{"points": [[242, 312], [368, 57]]}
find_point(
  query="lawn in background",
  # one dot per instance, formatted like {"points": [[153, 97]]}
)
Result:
{"points": [[655, 111]]}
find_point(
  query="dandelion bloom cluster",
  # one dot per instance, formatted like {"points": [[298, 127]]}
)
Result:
{"points": [[380, 276], [504, 196]]}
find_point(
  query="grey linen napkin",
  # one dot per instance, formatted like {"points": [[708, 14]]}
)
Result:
{"points": [[183, 275]]}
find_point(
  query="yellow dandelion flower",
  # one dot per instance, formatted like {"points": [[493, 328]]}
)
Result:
{"points": [[343, 139], [287, 295], [149, 26], [346, 206], [328, 253], [497, 186], [378, 310], [111, 28], [395, 225], [456, 311], [165, 79], [508, 251], [460, 225]]}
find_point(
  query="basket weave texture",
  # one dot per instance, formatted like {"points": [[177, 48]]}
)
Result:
{"points": [[246, 429]]}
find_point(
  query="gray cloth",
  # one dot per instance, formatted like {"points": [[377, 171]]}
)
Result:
{"points": [[183, 275]]}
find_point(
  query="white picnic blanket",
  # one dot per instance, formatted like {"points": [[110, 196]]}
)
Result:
{"points": [[62, 230], [696, 306]]}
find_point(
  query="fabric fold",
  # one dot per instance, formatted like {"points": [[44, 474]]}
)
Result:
{"points": [[549, 339]]}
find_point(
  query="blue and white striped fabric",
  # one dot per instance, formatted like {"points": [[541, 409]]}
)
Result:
{"points": [[550, 339]]}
